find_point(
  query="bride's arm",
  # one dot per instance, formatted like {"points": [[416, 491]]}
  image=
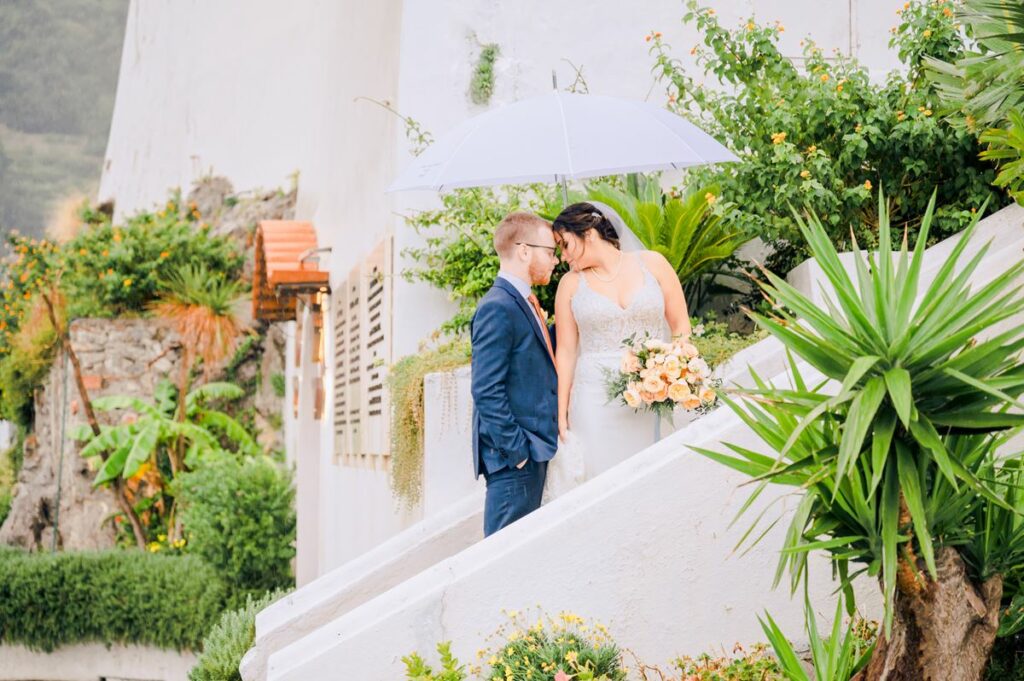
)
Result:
{"points": [[567, 336], [676, 313]]}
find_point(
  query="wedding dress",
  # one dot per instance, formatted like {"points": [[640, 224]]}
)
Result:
{"points": [[602, 433]]}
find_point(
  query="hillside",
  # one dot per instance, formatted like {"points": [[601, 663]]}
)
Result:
{"points": [[59, 62]]}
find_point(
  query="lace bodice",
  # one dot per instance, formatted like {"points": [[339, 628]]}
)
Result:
{"points": [[603, 325]]}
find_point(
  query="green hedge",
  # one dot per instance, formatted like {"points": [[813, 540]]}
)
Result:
{"points": [[51, 600]]}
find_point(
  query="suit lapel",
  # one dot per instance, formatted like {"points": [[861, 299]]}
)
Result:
{"points": [[526, 309]]}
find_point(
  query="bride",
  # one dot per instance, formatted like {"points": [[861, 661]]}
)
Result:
{"points": [[615, 289]]}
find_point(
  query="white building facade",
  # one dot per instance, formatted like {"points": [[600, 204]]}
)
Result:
{"points": [[259, 91]]}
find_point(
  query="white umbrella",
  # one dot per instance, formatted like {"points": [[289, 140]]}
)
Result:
{"points": [[560, 136]]}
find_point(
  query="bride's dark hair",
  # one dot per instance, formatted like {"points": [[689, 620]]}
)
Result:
{"points": [[580, 218]]}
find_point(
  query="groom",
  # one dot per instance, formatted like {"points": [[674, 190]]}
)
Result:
{"points": [[515, 396]]}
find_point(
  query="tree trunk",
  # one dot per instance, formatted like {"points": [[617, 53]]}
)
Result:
{"points": [[942, 629], [90, 414]]}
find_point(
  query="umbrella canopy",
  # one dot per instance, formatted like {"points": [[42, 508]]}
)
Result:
{"points": [[560, 136]]}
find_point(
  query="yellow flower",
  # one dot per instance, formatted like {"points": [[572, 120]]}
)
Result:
{"points": [[711, 12], [127, 283], [571, 656], [947, 12], [805, 174], [824, 78], [492, 660], [780, 28], [811, 149], [778, 138], [750, 26], [867, 185], [839, 88], [927, 112], [927, 33], [900, 115], [710, 198], [164, 254], [82, 251]]}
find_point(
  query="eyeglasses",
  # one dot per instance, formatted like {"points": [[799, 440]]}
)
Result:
{"points": [[555, 250]]}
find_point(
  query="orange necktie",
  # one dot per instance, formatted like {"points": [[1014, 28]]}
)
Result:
{"points": [[541, 316]]}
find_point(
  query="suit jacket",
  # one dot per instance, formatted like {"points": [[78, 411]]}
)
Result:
{"points": [[514, 384]]}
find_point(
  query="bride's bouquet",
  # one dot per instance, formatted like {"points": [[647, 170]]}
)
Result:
{"points": [[658, 376]]}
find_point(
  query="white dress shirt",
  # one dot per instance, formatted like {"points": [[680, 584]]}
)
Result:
{"points": [[524, 290]]}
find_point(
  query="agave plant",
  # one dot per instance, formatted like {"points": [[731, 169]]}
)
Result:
{"points": [[691, 236], [893, 447]]}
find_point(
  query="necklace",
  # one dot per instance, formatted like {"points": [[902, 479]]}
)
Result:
{"points": [[618, 268]]}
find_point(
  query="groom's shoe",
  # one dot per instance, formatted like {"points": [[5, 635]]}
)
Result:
{"points": [[513, 493]]}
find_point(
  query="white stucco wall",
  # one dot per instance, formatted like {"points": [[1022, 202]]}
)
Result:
{"points": [[91, 661]]}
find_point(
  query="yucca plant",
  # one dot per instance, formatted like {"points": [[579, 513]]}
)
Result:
{"points": [[691, 236], [894, 448], [837, 657]]}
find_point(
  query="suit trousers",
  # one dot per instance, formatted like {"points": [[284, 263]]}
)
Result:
{"points": [[513, 493]]}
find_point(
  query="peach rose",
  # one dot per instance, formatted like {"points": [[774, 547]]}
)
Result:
{"points": [[678, 391], [632, 398], [630, 363], [647, 397], [661, 395], [690, 351], [707, 395], [653, 384], [691, 401], [698, 366]]}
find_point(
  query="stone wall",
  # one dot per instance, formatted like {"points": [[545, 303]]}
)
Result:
{"points": [[54, 494]]}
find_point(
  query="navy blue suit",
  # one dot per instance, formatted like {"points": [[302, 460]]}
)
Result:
{"points": [[515, 405]]}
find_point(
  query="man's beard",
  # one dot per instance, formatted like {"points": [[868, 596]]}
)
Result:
{"points": [[539, 275]]}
